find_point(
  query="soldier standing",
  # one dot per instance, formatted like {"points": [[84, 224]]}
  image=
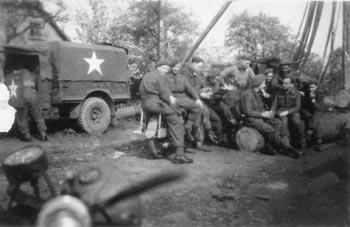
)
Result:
{"points": [[258, 118], [27, 103], [157, 98], [312, 105]]}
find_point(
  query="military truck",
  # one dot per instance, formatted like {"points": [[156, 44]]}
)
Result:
{"points": [[74, 80]]}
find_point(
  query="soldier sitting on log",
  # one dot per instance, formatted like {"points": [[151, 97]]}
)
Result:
{"points": [[312, 105], [286, 105], [260, 119]]}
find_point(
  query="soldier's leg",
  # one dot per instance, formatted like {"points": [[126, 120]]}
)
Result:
{"points": [[193, 118], [295, 122], [22, 120], [271, 136], [35, 113], [174, 125], [315, 125], [216, 123]]}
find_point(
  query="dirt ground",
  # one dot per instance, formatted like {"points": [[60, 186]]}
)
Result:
{"points": [[223, 187]]}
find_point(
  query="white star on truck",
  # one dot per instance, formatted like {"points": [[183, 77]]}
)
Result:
{"points": [[94, 63]]}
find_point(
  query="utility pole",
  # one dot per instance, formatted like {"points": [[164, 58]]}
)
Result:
{"points": [[346, 43], [205, 32], [158, 29]]}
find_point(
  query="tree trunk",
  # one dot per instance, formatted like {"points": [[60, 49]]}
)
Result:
{"points": [[346, 43]]}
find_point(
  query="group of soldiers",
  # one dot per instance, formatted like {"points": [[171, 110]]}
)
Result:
{"points": [[273, 103]]}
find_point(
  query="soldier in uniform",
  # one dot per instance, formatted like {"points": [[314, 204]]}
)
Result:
{"points": [[287, 105], [258, 118], [208, 94], [312, 105], [284, 71], [157, 98], [267, 92], [28, 105], [187, 99]]}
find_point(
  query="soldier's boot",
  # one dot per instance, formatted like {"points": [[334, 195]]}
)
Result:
{"points": [[293, 152], [211, 136], [317, 145], [268, 149], [180, 157]]}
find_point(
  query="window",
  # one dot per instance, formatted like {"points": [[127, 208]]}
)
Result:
{"points": [[35, 30]]}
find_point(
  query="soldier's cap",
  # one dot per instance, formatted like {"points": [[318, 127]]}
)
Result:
{"points": [[257, 80], [162, 62], [312, 81], [285, 62], [268, 70], [214, 72], [197, 59], [243, 57]]}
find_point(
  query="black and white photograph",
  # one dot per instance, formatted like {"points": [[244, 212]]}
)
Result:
{"points": [[174, 113]]}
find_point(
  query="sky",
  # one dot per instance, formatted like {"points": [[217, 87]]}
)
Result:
{"points": [[289, 12]]}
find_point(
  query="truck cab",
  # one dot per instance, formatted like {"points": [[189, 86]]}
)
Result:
{"points": [[78, 81]]}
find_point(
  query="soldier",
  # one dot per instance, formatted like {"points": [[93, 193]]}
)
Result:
{"points": [[188, 99], [193, 72], [267, 92], [286, 105], [277, 80], [207, 93], [260, 119], [28, 106], [238, 76], [157, 98], [312, 105]]}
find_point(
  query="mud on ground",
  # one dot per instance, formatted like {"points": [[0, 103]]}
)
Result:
{"points": [[223, 187]]}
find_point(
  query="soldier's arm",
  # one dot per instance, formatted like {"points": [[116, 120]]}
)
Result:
{"points": [[274, 104], [319, 101], [249, 111], [190, 90], [164, 90], [251, 75], [275, 83]]}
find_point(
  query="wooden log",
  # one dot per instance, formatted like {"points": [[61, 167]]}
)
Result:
{"points": [[342, 99], [249, 139], [330, 128]]}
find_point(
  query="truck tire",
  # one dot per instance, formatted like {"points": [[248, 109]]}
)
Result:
{"points": [[94, 116]]}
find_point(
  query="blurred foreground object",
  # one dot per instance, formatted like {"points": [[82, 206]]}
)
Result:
{"points": [[7, 112], [64, 211], [26, 164]]}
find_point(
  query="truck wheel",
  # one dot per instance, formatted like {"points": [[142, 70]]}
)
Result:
{"points": [[95, 115]]}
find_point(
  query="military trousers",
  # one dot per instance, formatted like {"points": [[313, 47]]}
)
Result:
{"points": [[296, 127], [312, 122], [193, 112], [211, 120], [31, 109], [174, 122]]}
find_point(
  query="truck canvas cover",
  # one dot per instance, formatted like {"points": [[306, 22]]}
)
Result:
{"points": [[79, 62]]}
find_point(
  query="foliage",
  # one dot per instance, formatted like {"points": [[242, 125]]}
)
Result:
{"points": [[177, 29], [258, 35]]}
